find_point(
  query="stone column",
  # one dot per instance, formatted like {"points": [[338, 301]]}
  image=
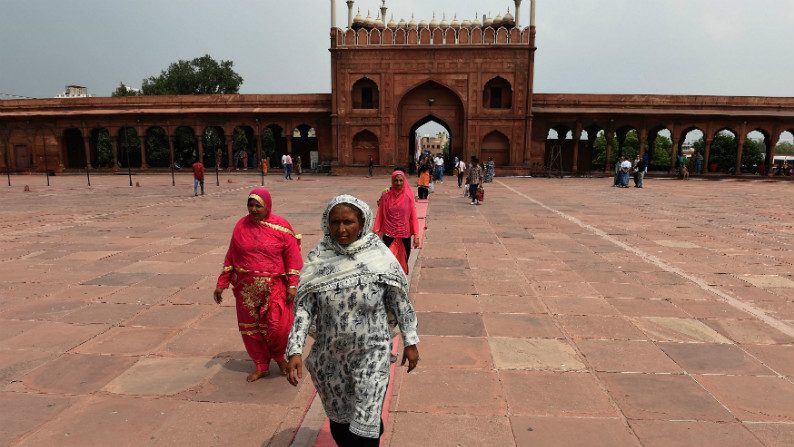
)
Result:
{"points": [[770, 160], [171, 146], [608, 160], [707, 154], [643, 142], [333, 14], [739, 149], [229, 145], [87, 143], [200, 144], [114, 153], [674, 154], [577, 135], [142, 139]]}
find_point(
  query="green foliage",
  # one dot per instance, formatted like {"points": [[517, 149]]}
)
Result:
{"points": [[157, 151], [600, 151], [185, 147], [660, 154], [123, 90], [723, 152], [784, 148], [240, 141], [753, 154], [104, 149], [129, 147], [200, 76], [268, 143]]}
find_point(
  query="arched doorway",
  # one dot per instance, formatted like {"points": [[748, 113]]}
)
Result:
{"points": [[365, 145], [433, 136], [428, 102], [496, 146], [304, 142]]}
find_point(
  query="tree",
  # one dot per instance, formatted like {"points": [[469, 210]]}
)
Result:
{"points": [[660, 153], [784, 148], [753, 154], [123, 90], [200, 76]]}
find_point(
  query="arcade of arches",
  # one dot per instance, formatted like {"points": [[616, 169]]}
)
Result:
{"points": [[382, 91]]}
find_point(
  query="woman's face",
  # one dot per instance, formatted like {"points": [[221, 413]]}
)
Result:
{"points": [[397, 182], [256, 210], [345, 224]]}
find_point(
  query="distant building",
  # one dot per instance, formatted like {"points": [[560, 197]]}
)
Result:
{"points": [[74, 91], [434, 144]]}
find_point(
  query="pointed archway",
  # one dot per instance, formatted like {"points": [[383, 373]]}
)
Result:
{"points": [[429, 101]]}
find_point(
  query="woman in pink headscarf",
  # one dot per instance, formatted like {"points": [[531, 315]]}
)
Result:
{"points": [[396, 219], [262, 265]]}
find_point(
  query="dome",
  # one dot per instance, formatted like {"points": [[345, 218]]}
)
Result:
{"points": [[508, 19], [434, 23], [402, 23], [476, 22], [497, 21], [412, 23], [488, 22], [455, 23], [392, 23], [369, 21], [444, 23], [466, 23], [423, 24], [380, 23], [358, 20]]}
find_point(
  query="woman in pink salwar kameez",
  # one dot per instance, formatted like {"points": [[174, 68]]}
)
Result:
{"points": [[262, 264]]}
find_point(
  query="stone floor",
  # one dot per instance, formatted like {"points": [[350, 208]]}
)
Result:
{"points": [[560, 312]]}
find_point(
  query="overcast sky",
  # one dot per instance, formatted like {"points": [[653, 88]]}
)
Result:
{"points": [[712, 47]]}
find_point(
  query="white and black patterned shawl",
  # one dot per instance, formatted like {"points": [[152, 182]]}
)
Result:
{"points": [[330, 266]]}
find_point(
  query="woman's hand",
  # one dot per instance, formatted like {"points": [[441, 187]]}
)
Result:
{"points": [[218, 295], [291, 292], [417, 242], [295, 369], [410, 353]]}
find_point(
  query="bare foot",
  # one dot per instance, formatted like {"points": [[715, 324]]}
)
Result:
{"points": [[256, 375]]}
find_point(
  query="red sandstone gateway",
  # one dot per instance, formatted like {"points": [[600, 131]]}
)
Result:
{"points": [[388, 79]]}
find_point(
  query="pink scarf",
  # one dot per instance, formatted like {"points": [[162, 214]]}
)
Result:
{"points": [[396, 211]]}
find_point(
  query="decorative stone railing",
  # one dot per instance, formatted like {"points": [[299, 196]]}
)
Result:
{"points": [[426, 36]]}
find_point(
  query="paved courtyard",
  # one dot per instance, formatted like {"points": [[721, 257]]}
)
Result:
{"points": [[560, 312]]}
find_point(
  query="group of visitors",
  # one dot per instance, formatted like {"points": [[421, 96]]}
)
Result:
{"points": [[624, 168], [352, 290], [287, 165]]}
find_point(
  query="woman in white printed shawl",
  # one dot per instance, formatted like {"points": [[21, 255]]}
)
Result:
{"points": [[351, 285]]}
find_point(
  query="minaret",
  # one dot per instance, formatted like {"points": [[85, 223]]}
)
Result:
{"points": [[383, 10], [350, 13], [518, 11], [333, 14], [532, 13]]}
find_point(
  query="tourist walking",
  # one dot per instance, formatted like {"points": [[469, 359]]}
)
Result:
{"points": [[461, 172], [474, 179], [617, 170], [352, 290], [439, 168], [639, 172], [423, 183], [698, 163], [396, 220], [625, 168], [370, 166], [490, 170], [262, 264], [198, 177], [298, 166], [286, 160]]}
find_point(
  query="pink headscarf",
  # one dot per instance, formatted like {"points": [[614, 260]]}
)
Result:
{"points": [[262, 196], [396, 211]]}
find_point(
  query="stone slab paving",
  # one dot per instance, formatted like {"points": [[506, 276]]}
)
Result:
{"points": [[610, 317], [560, 312], [108, 331]]}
